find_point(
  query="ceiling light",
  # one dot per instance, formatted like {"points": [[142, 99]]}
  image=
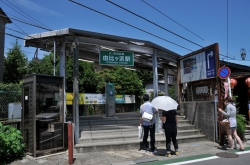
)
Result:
{"points": [[103, 47], [129, 68], [171, 63], [85, 60], [137, 43]]}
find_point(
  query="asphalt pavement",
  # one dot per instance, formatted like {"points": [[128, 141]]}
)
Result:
{"points": [[129, 157]]}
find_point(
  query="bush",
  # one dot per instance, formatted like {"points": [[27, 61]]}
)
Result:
{"points": [[241, 125], [11, 143]]}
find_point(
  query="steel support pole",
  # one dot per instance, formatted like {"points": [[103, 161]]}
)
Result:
{"points": [[76, 91], [155, 84], [54, 63], [63, 74], [166, 81]]}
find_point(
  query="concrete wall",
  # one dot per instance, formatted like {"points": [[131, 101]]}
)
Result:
{"points": [[202, 115], [2, 38]]}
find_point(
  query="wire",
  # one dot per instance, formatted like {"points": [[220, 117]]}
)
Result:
{"points": [[27, 14], [12, 35], [18, 11], [183, 26], [25, 22], [153, 23], [129, 24]]}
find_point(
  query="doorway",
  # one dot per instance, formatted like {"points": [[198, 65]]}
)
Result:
{"points": [[241, 90]]}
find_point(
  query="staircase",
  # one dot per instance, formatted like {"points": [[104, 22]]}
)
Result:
{"points": [[247, 133], [121, 133]]}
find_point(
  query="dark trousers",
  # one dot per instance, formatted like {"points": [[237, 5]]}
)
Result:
{"points": [[152, 136], [171, 135]]}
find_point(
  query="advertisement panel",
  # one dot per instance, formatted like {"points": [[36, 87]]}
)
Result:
{"points": [[198, 67], [88, 98]]}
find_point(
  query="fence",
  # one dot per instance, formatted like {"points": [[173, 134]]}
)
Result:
{"points": [[10, 105]]}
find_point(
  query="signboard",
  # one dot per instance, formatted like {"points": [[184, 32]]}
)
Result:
{"points": [[198, 67], [116, 58], [88, 98], [120, 98], [224, 72]]}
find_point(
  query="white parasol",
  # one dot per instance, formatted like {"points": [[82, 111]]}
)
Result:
{"points": [[165, 103]]}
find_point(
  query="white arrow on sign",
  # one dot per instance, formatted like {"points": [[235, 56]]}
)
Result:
{"points": [[209, 55]]}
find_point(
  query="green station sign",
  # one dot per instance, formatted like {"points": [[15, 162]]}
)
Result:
{"points": [[116, 58]]}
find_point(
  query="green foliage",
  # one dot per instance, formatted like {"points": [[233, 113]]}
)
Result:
{"points": [[10, 87], [145, 76], [240, 119], [11, 142], [15, 64], [160, 93], [126, 81], [90, 109], [86, 76], [172, 92], [44, 66], [241, 124]]}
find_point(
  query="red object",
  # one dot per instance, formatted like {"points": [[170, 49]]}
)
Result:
{"points": [[233, 83], [247, 81], [70, 143]]}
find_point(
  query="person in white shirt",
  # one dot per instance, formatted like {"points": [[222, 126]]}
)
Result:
{"points": [[230, 112], [148, 126]]}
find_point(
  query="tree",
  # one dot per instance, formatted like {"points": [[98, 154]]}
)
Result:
{"points": [[126, 81], [86, 76], [44, 66], [15, 64], [145, 76]]}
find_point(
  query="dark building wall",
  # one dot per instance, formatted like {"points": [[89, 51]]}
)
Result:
{"points": [[202, 115], [2, 38]]}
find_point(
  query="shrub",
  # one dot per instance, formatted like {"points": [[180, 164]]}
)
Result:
{"points": [[11, 143], [241, 125]]}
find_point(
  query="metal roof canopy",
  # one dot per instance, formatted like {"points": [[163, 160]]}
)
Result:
{"points": [[91, 42], [86, 45]]}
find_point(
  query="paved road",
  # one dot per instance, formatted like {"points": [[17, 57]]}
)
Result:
{"points": [[187, 151], [231, 158]]}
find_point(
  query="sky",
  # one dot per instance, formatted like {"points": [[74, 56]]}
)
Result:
{"points": [[203, 22]]}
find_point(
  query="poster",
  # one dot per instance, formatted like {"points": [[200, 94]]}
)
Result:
{"points": [[198, 67], [88, 98]]}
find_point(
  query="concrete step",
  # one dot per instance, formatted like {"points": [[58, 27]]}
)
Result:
{"points": [[130, 145], [183, 125], [247, 127], [106, 127], [123, 132], [114, 137], [113, 121], [247, 134], [132, 121], [109, 132]]}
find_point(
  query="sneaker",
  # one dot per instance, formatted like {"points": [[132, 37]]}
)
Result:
{"points": [[169, 155], [176, 153], [153, 150]]}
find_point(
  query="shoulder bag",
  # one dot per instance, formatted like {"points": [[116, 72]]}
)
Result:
{"points": [[146, 116], [225, 124]]}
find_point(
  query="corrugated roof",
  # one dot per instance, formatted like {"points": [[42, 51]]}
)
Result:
{"points": [[239, 62]]}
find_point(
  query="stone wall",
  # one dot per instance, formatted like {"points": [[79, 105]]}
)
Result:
{"points": [[202, 115]]}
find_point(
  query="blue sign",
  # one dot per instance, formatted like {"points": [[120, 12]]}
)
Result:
{"points": [[210, 63], [224, 72]]}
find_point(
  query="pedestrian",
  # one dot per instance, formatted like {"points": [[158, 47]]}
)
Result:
{"points": [[170, 123], [148, 126], [230, 113]]}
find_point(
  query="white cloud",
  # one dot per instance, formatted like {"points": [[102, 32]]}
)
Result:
{"points": [[36, 7]]}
